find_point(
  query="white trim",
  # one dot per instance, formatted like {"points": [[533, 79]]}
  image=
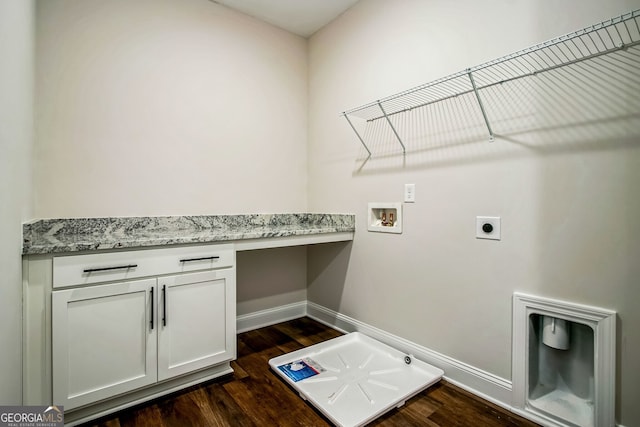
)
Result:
{"points": [[260, 319], [603, 323], [481, 383], [485, 385], [536, 418]]}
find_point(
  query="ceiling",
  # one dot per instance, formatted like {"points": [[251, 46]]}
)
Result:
{"points": [[302, 17]]}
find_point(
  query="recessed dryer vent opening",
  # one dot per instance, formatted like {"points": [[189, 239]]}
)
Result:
{"points": [[561, 369], [563, 362]]}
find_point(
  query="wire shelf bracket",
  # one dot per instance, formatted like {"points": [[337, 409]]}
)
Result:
{"points": [[613, 35], [404, 150], [484, 113], [357, 134]]}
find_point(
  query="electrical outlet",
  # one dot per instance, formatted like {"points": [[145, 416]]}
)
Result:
{"points": [[409, 193], [488, 227]]}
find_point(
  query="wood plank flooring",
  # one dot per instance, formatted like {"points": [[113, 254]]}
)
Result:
{"points": [[255, 396]]}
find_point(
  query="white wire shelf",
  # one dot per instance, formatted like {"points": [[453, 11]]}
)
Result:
{"points": [[614, 35]]}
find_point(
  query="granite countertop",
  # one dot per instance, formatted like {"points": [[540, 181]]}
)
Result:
{"points": [[46, 236]]}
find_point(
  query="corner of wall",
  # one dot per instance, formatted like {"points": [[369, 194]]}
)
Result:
{"points": [[17, 33]]}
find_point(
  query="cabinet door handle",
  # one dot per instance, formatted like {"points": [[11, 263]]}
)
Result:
{"points": [[164, 305], [152, 304], [210, 258], [118, 267]]}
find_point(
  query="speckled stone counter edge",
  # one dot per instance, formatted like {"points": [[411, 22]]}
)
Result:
{"points": [[47, 236]]}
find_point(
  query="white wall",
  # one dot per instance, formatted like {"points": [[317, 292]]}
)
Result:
{"points": [[270, 278], [16, 140], [568, 196], [164, 107]]}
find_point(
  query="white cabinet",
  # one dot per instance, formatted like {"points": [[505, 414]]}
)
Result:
{"points": [[117, 337], [196, 322], [104, 342]]}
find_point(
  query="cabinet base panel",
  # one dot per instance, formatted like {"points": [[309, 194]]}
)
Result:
{"points": [[100, 409]]}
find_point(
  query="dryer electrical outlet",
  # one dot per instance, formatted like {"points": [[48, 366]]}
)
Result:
{"points": [[488, 227]]}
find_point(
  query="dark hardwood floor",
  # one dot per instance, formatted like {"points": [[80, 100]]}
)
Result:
{"points": [[255, 396]]}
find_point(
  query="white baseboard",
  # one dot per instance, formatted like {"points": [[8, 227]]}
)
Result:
{"points": [[260, 319], [483, 384]]}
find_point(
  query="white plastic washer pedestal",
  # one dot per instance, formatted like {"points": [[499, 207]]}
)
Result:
{"points": [[353, 379]]}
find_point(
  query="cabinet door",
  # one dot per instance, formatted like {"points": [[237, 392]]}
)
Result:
{"points": [[104, 341], [196, 321]]}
